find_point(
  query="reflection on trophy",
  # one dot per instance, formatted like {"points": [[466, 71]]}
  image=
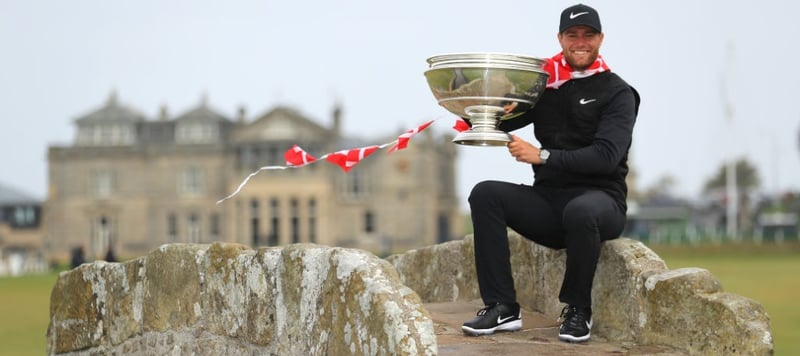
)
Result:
{"points": [[485, 88]]}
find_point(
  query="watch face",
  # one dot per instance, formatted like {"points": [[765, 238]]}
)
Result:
{"points": [[544, 154]]}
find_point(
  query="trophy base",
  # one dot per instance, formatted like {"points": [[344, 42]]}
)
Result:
{"points": [[482, 138]]}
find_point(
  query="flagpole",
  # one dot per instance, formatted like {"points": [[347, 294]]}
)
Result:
{"points": [[731, 191]]}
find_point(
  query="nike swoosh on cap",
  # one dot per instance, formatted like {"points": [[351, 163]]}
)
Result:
{"points": [[573, 15], [585, 101]]}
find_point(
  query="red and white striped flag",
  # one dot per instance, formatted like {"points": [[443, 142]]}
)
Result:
{"points": [[461, 125], [296, 156], [347, 159], [402, 140]]}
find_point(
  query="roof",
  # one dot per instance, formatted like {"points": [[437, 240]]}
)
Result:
{"points": [[282, 124], [202, 113], [11, 196], [112, 111]]}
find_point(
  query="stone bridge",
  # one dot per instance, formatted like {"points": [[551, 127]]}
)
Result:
{"points": [[316, 300]]}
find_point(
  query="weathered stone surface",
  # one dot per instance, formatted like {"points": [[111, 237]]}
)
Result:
{"points": [[229, 299], [636, 299], [687, 308], [80, 315], [439, 273], [314, 300], [172, 289], [618, 294], [538, 336]]}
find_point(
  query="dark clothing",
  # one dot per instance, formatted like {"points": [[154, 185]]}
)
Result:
{"points": [[573, 218], [76, 257], [577, 200], [110, 255], [586, 125]]}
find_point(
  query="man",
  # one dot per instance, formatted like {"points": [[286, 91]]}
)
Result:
{"points": [[584, 121]]}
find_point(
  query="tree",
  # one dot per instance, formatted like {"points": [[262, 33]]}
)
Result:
{"points": [[661, 188], [747, 181], [747, 178]]}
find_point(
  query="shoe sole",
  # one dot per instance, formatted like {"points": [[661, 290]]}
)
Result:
{"points": [[509, 326], [570, 338]]}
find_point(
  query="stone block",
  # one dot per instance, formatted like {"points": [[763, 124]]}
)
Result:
{"points": [[229, 299]]}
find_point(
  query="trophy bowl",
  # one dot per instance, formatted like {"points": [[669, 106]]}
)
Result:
{"points": [[485, 88]]}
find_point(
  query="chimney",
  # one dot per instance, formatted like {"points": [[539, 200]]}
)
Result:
{"points": [[337, 119], [242, 118], [163, 113], [112, 98]]}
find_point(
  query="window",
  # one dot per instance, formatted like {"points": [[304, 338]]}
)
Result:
{"points": [[192, 181], [172, 227], [247, 157], [103, 184], [102, 235], [24, 216], [214, 227], [196, 133], [254, 222], [356, 184], [274, 222], [312, 220], [369, 222], [443, 228], [294, 219], [193, 229], [106, 135], [273, 157]]}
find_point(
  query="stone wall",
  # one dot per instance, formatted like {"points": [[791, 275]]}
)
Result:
{"points": [[314, 300], [636, 298], [225, 299]]}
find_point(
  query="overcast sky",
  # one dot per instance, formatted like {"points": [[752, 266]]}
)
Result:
{"points": [[61, 60]]}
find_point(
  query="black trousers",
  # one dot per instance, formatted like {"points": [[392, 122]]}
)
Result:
{"points": [[577, 219]]}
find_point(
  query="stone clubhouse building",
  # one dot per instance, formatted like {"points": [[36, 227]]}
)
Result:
{"points": [[131, 183]]}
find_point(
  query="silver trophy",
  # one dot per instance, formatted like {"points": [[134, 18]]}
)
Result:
{"points": [[485, 88]]}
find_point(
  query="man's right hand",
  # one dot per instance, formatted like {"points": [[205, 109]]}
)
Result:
{"points": [[523, 151]]}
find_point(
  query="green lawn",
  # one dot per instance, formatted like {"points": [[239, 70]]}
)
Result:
{"points": [[25, 310], [764, 273]]}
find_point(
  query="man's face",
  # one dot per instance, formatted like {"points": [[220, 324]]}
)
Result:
{"points": [[581, 46]]}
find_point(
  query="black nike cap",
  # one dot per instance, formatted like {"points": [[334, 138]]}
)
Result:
{"points": [[579, 15]]}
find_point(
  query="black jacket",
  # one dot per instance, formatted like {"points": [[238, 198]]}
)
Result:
{"points": [[587, 125]]}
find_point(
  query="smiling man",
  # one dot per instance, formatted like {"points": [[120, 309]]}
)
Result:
{"points": [[584, 122]]}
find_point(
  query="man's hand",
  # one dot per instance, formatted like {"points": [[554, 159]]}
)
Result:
{"points": [[523, 151]]}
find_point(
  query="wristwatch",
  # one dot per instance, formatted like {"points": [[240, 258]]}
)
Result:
{"points": [[544, 155]]}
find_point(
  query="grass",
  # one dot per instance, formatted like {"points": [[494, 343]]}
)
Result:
{"points": [[25, 310], [763, 273]]}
